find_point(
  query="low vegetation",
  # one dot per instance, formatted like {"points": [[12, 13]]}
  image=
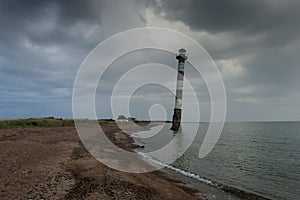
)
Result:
{"points": [[43, 122], [52, 122]]}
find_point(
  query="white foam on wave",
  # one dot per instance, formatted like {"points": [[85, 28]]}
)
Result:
{"points": [[180, 171]]}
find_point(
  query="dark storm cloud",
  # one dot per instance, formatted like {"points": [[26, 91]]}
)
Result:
{"points": [[261, 36], [231, 15], [246, 26], [42, 44], [68, 12], [44, 21]]}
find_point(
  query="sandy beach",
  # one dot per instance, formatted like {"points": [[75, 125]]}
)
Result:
{"points": [[51, 163]]}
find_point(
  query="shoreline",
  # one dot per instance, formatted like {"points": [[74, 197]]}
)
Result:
{"points": [[209, 189], [51, 163], [200, 189]]}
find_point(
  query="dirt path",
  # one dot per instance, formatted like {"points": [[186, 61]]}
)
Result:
{"points": [[51, 163]]}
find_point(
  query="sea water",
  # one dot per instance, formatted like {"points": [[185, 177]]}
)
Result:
{"points": [[261, 158]]}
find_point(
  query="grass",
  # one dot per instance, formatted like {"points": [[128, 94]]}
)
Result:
{"points": [[52, 122], [30, 122]]}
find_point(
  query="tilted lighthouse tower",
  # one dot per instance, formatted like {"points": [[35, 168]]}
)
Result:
{"points": [[181, 57]]}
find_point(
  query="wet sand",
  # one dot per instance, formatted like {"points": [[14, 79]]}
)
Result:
{"points": [[51, 163]]}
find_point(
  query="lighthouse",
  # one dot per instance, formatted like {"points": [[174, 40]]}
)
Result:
{"points": [[181, 57]]}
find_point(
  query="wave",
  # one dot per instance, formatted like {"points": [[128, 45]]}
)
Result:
{"points": [[235, 191], [180, 171]]}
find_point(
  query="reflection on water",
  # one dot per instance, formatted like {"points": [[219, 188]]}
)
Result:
{"points": [[167, 146]]}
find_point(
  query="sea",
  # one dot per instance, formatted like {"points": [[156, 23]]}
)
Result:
{"points": [[251, 159]]}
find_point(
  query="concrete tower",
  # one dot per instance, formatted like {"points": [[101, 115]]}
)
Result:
{"points": [[181, 57]]}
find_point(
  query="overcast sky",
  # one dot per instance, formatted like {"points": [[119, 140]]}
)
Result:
{"points": [[255, 44]]}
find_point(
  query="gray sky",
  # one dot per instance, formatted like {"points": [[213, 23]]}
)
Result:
{"points": [[255, 44]]}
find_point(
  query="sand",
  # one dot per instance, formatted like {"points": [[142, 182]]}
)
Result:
{"points": [[51, 163]]}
